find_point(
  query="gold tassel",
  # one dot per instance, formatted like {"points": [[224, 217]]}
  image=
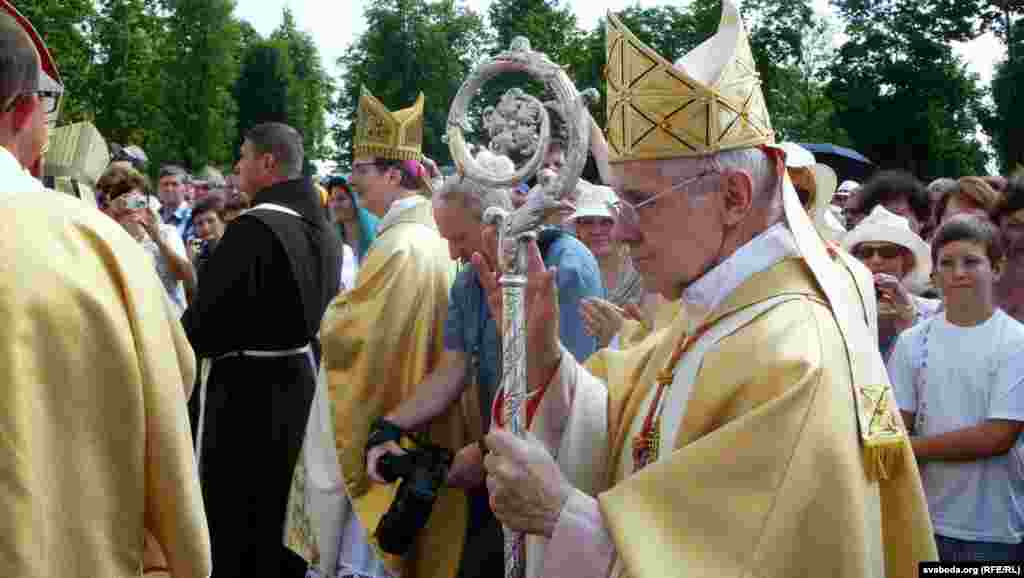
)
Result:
{"points": [[883, 460]]}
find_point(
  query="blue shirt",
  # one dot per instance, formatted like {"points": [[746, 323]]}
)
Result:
{"points": [[471, 329], [578, 277], [181, 218]]}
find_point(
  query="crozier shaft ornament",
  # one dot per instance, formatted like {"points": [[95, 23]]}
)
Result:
{"points": [[510, 127]]}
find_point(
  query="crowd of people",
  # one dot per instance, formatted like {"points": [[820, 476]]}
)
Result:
{"points": [[734, 363]]}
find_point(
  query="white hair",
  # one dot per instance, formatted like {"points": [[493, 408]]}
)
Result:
{"points": [[476, 197], [752, 161]]}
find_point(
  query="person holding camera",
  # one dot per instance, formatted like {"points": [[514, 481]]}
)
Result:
{"points": [[470, 366], [137, 212], [901, 263]]}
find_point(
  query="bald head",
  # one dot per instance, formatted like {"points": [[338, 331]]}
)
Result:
{"points": [[19, 61]]}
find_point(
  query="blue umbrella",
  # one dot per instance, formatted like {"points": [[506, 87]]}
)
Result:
{"points": [[847, 163]]}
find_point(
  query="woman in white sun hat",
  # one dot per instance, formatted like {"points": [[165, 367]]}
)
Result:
{"points": [[901, 263], [593, 224]]}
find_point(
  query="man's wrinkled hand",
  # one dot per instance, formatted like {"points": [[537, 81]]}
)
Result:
{"points": [[375, 454], [528, 490]]}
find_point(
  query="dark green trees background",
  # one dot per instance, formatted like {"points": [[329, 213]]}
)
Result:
{"points": [[183, 79], [186, 78]]}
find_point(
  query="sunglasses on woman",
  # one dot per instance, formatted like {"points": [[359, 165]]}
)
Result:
{"points": [[865, 252]]}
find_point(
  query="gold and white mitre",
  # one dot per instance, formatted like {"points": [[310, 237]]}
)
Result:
{"points": [[383, 134], [709, 101]]}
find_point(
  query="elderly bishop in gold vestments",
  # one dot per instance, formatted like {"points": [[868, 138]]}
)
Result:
{"points": [[755, 436]]}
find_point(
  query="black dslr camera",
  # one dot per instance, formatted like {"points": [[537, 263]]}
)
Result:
{"points": [[424, 471]]}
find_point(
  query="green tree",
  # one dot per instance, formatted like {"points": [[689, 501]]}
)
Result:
{"points": [[551, 27], [262, 88], [803, 111], [901, 93], [409, 46], [67, 27], [1005, 124], [127, 36], [310, 89], [196, 79]]}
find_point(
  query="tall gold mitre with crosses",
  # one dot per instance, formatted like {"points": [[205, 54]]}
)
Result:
{"points": [[709, 101], [383, 134]]}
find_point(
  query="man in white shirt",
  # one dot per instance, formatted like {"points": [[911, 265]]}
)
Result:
{"points": [[959, 380]]}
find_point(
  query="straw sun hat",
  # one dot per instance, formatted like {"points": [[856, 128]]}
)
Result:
{"points": [[883, 226]]}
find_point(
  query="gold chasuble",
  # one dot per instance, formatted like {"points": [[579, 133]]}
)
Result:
{"points": [[98, 469], [633, 332], [765, 475], [380, 340]]}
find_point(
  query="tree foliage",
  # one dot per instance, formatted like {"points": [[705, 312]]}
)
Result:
{"points": [[903, 96], [309, 88], [196, 79], [410, 46], [164, 74], [803, 112], [1005, 123], [262, 88], [128, 36]]}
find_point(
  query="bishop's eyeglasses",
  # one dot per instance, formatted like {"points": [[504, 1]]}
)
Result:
{"points": [[629, 213], [48, 99]]}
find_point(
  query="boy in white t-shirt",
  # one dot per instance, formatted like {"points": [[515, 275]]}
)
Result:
{"points": [[959, 381]]}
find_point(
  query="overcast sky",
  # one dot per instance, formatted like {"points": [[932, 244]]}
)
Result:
{"points": [[333, 24]]}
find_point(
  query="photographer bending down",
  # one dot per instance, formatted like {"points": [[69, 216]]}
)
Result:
{"points": [[471, 361]]}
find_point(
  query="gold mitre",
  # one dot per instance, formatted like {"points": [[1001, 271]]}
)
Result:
{"points": [[388, 135], [709, 101]]}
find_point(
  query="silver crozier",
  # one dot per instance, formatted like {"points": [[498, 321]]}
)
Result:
{"points": [[518, 228]]}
